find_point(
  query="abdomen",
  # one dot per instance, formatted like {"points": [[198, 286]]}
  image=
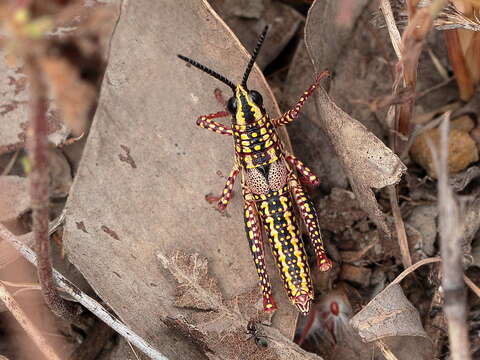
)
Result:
{"points": [[278, 218]]}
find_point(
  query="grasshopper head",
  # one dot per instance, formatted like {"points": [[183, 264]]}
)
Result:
{"points": [[246, 106]]}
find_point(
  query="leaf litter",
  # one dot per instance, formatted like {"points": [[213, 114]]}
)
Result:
{"points": [[174, 270]]}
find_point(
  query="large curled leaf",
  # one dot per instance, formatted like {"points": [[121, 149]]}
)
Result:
{"points": [[140, 188], [367, 161]]}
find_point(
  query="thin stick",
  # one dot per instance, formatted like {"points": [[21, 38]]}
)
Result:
{"points": [[10, 164], [94, 307], [26, 324], [414, 267], [472, 285], [450, 230], [400, 227], [395, 37], [39, 197], [433, 88]]}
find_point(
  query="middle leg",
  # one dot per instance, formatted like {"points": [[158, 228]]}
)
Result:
{"points": [[306, 175], [222, 201]]}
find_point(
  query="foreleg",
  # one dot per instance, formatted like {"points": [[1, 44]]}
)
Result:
{"points": [[309, 216], [207, 122], [292, 114], [254, 236]]}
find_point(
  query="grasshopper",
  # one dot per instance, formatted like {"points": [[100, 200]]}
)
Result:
{"points": [[270, 186]]}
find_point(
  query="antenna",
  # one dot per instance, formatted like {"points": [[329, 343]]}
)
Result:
{"points": [[254, 56], [208, 71]]}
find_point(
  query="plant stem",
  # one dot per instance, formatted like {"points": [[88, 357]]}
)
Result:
{"points": [[457, 60], [450, 230], [27, 324], [39, 196]]}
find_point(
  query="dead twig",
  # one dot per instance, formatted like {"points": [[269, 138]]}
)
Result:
{"points": [[10, 164], [433, 88], [395, 37], [39, 180], [412, 8], [400, 227], [26, 324], [94, 307], [420, 23], [414, 267], [472, 285], [450, 230]]}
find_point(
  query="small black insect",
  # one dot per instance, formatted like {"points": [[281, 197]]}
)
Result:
{"points": [[256, 332]]}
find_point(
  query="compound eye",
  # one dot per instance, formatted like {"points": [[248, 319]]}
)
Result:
{"points": [[232, 105], [256, 97]]}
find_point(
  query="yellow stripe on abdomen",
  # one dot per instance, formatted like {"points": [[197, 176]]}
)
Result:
{"points": [[284, 237]]}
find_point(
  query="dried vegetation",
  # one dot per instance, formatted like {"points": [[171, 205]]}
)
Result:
{"points": [[104, 175]]}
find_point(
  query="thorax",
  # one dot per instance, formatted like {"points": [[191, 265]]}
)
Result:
{"points": [[256, 144]]}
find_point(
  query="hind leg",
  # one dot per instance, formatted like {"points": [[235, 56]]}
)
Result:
{"points": [[254, 236], [309, 216]]}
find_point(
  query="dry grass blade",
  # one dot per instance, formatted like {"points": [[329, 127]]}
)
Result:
{"points": [[452, 18], [391, 26], [414, 267], [450, 230], [400, 227], [26, 324], [10, 164], [472, 285], [457, 60], [413, 38]]}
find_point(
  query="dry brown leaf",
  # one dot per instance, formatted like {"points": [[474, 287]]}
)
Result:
{"points": [[219, 324], [146, 168], [195, 289], [390, 317], [367, 161]]}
